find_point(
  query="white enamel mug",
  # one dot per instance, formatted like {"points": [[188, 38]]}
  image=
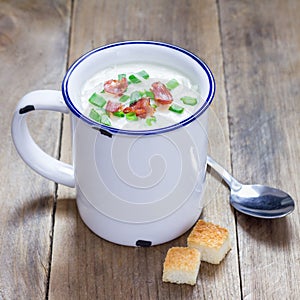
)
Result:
{"points": [[134, 187]]}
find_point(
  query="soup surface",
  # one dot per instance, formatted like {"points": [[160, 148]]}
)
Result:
{"points": [[139, 97]]}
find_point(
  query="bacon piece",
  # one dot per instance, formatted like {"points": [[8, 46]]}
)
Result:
{"points": [[142, 108], [113, 106], [127, 109], [161, 94], [116, 87]]}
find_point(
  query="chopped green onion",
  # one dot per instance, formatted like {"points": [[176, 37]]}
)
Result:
{"points": [[131, 116], [172, 84], [120, 76], [124, 98], [134, 79], [143, 74], [94, 115], [135, 96], [149, 94], [150, 120], [97, 100], [189, 100], [103, 91], [105, 120], [119, 114], [154, 105], [176, 108]]}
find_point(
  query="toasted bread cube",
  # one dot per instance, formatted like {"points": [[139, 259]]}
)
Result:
{"points": [[211, 240], [181, 265]]}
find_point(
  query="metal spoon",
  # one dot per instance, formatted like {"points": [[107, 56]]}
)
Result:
{"points": [[255, 200]]}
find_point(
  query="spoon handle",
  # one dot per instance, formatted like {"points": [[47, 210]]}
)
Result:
{"points": [[232, 182]]}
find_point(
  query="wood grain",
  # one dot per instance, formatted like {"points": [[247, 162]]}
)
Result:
{"points": [[33, 48], [262, 77], [84, 265]]}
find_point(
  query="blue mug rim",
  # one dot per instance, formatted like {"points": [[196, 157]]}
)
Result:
{"points": [[114, 130]]}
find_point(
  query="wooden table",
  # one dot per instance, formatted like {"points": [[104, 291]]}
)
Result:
{"points": [[253, 50]]}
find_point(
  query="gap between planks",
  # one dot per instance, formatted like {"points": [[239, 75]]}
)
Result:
{"points": [[58, 157]]}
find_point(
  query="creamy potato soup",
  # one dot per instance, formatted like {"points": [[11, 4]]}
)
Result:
{"points": [[139, 97]]}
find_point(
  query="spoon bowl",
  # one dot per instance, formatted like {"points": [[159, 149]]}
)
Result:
{"points": [[262, 201], [255, 200]]}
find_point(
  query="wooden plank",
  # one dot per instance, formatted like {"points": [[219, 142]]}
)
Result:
{"points": [[86, 267], [33, 48], [261, 53]]}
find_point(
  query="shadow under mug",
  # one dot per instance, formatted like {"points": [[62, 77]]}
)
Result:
{"points": [[133, 187]]}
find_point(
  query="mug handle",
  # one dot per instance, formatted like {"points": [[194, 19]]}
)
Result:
{"points": [[30, 152]]}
